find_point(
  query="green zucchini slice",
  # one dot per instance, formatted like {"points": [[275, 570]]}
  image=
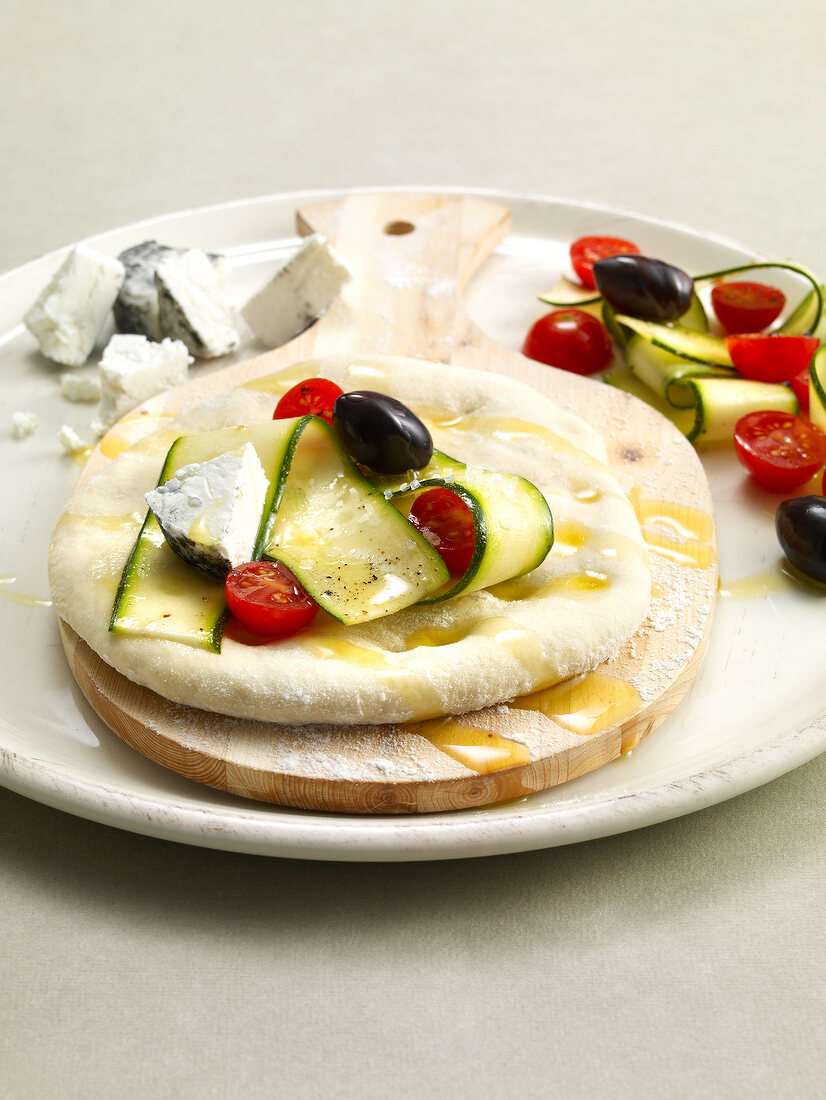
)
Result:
{"points": [[817, 388], [665, 372], [694, 318], [565, 293], [514, 526], [699, 347], [354, 552], [720, 402], [389, 565], [709, 406], [162, 596]]}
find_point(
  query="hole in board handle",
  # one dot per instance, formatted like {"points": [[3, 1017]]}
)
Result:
{"points": [[398, 229]]}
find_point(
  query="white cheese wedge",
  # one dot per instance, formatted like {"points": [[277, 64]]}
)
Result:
{"points": [[23, 424], [133, 369], [79, 387], [298, 293], [193, 305], [210, 511], [136, 308], [70, 312]]}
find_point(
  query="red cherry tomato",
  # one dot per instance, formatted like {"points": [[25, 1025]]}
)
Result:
{"points": [[587, 250], [570, 339], [747, 307], [781, 451], [313, 396], [800, 388], [446, 522], [771, 358], [266, 598]]}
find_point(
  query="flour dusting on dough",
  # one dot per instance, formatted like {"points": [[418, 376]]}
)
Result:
{"points": [[565, 625]]}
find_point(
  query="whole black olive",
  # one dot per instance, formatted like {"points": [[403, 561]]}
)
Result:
{"points": [[801, 528], [644, 288], [380, 432]]}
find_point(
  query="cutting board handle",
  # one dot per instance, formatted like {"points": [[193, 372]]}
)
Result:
{"points": [[412, 256]]}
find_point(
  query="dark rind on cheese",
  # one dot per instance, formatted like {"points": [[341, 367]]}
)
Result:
{"points": [[175, 323], [136, 308], [208, 561]]}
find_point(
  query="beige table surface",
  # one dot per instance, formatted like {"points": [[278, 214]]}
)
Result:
{"points": [[681, 960]]}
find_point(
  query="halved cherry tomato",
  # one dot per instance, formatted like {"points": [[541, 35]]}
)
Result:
{"points": [[747, 307], [570, 339], [586, 251], [781, 451], [266, 598], [313, 396], [771, 358], [800, 388], [446, 522]]}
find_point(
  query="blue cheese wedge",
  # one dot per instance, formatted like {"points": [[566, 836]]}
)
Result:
{"points": [[70, 312], [136, 307], [298, 293], [133, 369], [210, 511], [193, 306]]}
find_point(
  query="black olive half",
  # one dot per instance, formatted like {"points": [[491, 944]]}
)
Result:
{"points": [[380, 432], [641, 287], [801, 529]]}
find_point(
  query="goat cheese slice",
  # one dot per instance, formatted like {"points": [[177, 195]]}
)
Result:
{"points": [[210, 511], [136, 308], [70, 312], [133, 369], [298, 293], [193, 306]]}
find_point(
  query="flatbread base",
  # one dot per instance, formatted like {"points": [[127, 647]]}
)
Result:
{"points": [[571, 614]]}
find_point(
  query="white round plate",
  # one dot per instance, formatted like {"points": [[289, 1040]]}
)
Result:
{"points": [[757, 709]]}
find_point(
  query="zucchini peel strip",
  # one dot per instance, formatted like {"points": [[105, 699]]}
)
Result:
{"points": [[319, 502]]}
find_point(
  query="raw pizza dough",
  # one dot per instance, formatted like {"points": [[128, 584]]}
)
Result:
{"points": [[568, 616]]}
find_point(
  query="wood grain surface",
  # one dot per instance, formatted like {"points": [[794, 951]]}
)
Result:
{"points": [[412, 257]]}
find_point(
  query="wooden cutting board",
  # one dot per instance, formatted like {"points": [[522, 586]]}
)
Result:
{"points": [[412, 256]]}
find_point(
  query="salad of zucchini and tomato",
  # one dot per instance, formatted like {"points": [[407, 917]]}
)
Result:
{"points": [[738, 371], [256, 519]]}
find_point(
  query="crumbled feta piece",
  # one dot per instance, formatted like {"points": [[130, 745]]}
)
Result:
{"points": [[70, 441], [298, 293], [136, 308], [79, 387], [193, 305], [133, 369], [210, 511], [70, 312], [23, 424]]}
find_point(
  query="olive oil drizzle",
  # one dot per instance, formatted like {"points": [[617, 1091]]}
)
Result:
{"points": [[478, 749], [512, 429], [111, 445], [675, 531], [21, 597], [780, 577], [586, 704]]}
